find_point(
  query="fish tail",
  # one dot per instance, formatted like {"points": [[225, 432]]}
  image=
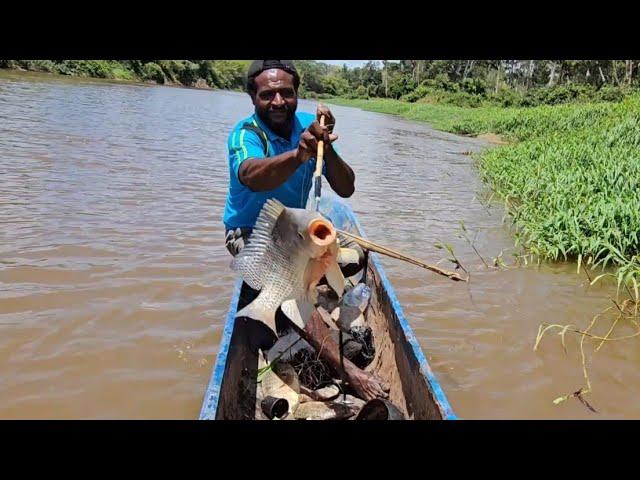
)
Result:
{"points": [[299, 312], [256, 310]]}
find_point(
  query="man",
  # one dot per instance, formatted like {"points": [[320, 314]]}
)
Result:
{"points": [[269, 152], [272, 155]]}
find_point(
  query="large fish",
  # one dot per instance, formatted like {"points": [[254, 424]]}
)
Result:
{"points": [[288, 253]]}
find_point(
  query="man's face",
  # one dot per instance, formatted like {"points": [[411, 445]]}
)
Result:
{"points": [[275, 100]]}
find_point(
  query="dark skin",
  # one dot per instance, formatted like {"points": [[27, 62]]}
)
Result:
{"points": [[276, 101]]}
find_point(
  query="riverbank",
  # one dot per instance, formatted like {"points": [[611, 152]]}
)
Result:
{"points": [[20, 73], [568, 177], [205, 74]]}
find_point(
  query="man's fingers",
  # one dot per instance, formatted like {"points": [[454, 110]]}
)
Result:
{"points": [[320, 133], [324, 110], [310, 140], [309, 144], [315, 129]]}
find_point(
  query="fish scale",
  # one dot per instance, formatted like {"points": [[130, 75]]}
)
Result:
{"points": [[280, 282]]}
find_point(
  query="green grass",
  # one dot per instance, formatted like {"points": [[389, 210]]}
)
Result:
{"points": [[442, 117], [570, 179]]}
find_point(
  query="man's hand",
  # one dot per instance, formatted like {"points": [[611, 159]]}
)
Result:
{"points": [[308, 145], [329, 119]]}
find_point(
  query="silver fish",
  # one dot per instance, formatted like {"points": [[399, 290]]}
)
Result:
{"points": [[285, 257]]}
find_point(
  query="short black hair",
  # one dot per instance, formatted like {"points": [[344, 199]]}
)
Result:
{"points": [[259, 66]]}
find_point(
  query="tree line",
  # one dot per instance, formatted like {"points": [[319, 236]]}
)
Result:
{"points": [[466, 83]]}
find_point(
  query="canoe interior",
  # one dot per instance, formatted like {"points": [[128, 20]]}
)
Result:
{"points": [[399, 360]]}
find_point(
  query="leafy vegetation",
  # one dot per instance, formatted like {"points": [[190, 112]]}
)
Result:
{"points": [[570, 179], [224, 74]]}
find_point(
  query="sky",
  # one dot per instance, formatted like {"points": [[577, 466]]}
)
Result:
{"points": [[350, 63]]}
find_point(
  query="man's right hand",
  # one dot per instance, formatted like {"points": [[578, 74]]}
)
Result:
{"points": [[308, 145]]}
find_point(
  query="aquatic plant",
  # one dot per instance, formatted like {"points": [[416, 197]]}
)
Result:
{"points": [[570, 179]]}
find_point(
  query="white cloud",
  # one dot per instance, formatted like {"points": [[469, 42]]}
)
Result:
{"points": [[352, 63], [349, 63]]}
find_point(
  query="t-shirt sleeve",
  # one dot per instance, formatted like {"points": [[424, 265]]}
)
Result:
{"points": [[243, 144]]}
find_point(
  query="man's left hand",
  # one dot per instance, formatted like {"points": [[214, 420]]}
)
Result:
{"points": [[329, 119]]}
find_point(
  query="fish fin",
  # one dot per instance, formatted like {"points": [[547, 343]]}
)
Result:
{"points": [[256, 311], [348, 255], [298, 311], [260, 239], [335, 279], [312, 296]]}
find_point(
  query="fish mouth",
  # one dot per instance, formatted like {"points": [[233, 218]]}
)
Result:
{"points": [[321, 232]]}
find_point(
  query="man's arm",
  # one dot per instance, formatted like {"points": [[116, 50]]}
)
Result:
{"points": [[263, 174], [339, 174]]}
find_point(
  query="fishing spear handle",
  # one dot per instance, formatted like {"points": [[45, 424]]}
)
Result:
{"points": [[320, 155]]}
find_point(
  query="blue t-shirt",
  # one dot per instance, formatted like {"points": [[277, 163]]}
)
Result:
{"points": [[243, 205]]}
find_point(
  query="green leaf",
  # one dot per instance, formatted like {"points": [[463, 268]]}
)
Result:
{"points": [[449, 248]]}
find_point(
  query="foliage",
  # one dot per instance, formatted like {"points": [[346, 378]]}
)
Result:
{"points": [[465, 83]]}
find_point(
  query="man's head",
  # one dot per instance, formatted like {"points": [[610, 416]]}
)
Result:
{"points": [[273, 87]]}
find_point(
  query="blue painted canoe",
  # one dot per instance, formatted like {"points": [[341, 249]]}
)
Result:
{"points": [[399, 360]]}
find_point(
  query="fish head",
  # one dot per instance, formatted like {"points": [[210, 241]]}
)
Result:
{"points": [[306, 231], [322, 236]]}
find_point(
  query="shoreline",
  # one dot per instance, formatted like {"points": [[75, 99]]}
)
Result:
{"points": [[444, 117], [117, 81]]}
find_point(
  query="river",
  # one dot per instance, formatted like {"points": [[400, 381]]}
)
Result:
{"points": [[114, 279]]}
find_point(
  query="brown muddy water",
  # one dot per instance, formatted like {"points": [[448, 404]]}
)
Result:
{"points": [[114, 281]]}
